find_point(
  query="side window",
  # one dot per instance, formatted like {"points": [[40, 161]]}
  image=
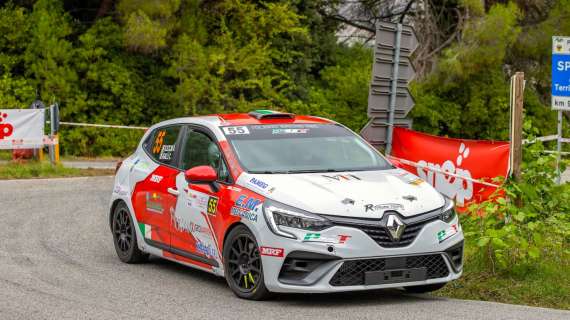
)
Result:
{"points": [[162, 145], [200, 150]]}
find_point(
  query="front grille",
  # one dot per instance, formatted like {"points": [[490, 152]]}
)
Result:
{"points": [[379, 233], [352, 273]]}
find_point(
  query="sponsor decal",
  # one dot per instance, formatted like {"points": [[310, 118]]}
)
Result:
{"points": [[312, 236], [205, 249], [245, 207], [181, 224], [119, 190], [153, 202], [446, 234], [289, 131], [285, 126], [156, 178], [6, 129], [342, 177], [244, 213], [260, 184], [246, 202], [198, 200], [158, 141], [343, 238], [235, 130], [167, 151], [234, 188], [317, 237], [384, 206], [273, 252], [212, 205]]}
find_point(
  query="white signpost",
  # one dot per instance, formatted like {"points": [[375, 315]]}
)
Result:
{"points": [[560, 85]]}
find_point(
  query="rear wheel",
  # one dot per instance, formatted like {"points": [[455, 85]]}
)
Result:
{"points": [[425, 288], [242, 265], [125, 237]]}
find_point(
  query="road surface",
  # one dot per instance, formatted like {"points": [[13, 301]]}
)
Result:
{"points": [[57, 261]]}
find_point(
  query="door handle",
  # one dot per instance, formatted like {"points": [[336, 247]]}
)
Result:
{"points": [[173, 191]]}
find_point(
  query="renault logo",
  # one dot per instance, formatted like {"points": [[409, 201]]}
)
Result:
{"points": [[395, 227]]}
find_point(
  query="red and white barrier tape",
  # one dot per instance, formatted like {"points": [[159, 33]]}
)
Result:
{"points": [[417, 165], [78, 124]]}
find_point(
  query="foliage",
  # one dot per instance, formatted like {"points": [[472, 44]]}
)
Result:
{"points": [[140, 62], [33, 169], [542, 284], [467, 95], [526, 221]]}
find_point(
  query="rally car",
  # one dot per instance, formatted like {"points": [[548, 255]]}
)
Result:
{"points": [[277, 202]]}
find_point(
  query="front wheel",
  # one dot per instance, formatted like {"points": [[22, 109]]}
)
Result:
{"points": [[425, 288], [242, 265]]}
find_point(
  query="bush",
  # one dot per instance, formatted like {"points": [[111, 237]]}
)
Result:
{"points": [[526, 221]]}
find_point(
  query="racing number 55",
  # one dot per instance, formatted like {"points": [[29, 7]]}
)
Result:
{"points": [[236, 130]]}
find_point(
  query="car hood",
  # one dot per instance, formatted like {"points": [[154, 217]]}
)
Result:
{"points": [[363, 194]]}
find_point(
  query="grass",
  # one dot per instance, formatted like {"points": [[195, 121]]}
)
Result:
{"points": [[546, 284], [34, 169]]}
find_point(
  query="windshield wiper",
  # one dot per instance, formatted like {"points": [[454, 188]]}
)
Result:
{"points": [[270, 172], [316, 171]]}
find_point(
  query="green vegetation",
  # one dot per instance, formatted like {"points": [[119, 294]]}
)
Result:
{"points": [[34, 169], [544, 284], [136, 62], [518, 246]]}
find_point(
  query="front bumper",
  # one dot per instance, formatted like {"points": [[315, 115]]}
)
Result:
{"points": [[348, 259]]}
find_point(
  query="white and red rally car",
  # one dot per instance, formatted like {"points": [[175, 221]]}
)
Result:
{"points": [[276, 202]]}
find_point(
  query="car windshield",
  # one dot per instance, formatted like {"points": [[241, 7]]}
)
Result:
{"points": [[297, 148]]}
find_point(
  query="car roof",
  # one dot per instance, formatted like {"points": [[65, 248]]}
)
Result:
{"points": [[248, 119], [240, 119]]}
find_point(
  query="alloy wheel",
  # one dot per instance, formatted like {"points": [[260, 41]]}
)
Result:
{"points": [[123, 231], [244, 263]]}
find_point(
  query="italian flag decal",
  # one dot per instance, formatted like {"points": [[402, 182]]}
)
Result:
{"points": [[146, 230]]}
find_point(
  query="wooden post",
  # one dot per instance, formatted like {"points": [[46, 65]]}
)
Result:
{"points": [[56, 148], [517, 98]]}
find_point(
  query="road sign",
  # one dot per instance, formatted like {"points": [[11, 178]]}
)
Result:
{"points": [[379, 96], [385, 38], [389, 99], [375, 130], [561, 73]]}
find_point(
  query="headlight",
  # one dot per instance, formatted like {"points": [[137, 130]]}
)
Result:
{"points": [[279, 215], [448, 211]]}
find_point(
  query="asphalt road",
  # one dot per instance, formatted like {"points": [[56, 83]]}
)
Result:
{"points": [[57, 261]]}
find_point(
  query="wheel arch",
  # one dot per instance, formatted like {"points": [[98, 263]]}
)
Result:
{"points": [[229, 229], [113, 206]]}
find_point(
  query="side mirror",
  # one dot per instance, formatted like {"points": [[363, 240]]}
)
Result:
{"points": [[201, 174], [204, 175]]}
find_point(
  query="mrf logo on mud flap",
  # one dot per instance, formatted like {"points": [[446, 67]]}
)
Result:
{"points": [[245, 207]]}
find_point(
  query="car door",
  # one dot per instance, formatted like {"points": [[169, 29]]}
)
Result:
{"points": [[197, 222], [154, 196]]}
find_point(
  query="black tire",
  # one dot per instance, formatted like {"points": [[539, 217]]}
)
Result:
{"points": [[242, 265], [125, 237], [425, 288]]}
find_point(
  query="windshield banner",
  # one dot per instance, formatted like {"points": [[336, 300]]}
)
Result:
{"points": [[452, 166], [21, 128]]}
